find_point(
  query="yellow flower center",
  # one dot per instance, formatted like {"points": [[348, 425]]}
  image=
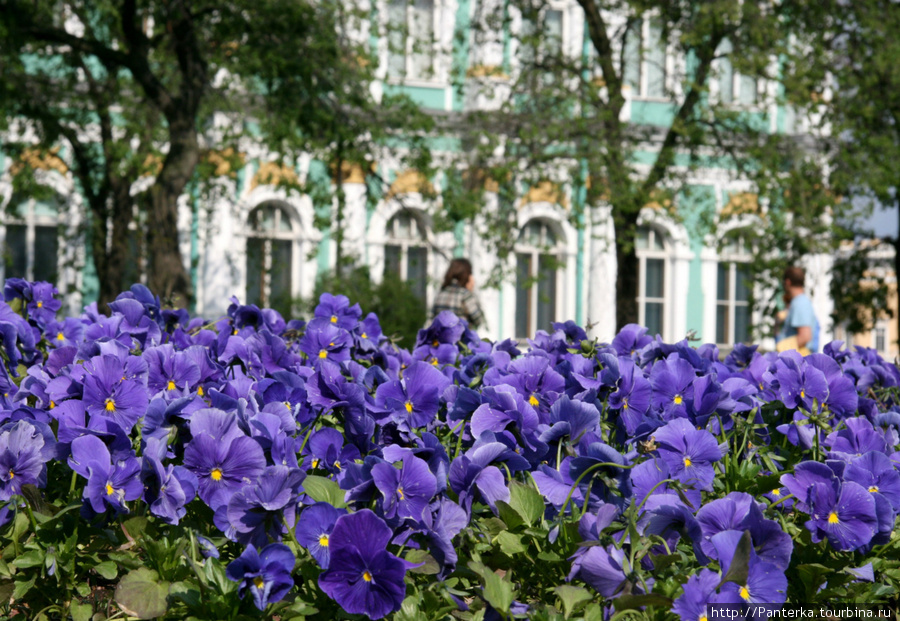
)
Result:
{"points": [[364, 335], [12, 475], [703, 618], [776, 492], [687, 462], [409, 406], [216, 474], [109, 490], [315, 463], [200, 391], [625, 404], [334, 319], [323, 541], [367, 576], [52, 404], [833, 518], [259, 582], [678, 399], [802, 394], [533, 402], [873, 489], [337, 465], [323, 354], [110, 405], [40, 304], [234, 332], [60, 336], [745, 594], [170, 385], [400, 492], [435, 343], [434, 362], [331, 344]]}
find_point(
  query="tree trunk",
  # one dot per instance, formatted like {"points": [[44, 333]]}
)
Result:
{"points": [[113, 257], [168, 277], [626, 269], [896, 293]]}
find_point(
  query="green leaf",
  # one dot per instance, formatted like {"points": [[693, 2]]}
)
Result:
{"points": [[527, 502], [498, 591], [635, 602], [32, 558], [510, 544], [428, 566], [322, 489], [22, 587], [510, 516], [107, 569], [6, 590], [410, 610], [740, 562], [135, 527], [571, 597], [34, 499], [141, 594], [185, 592], [550, 557], [494, 526], [81, 612]]}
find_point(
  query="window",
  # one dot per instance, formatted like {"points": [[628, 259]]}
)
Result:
{"points": [[734, 87], [537, 258], [645, 59], [733, 294], [652, 267], [31, 246], [880, 337], [411, 30], [270, 256], [406, 252]]}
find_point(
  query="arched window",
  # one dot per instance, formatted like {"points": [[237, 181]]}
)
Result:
{"points": [[31, 246], [733, 292], [406, 251], [270, 241], [652, 254], [537, 259]]}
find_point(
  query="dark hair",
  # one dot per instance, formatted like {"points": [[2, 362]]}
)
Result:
{"points": [[796, 276], [459, 272]]}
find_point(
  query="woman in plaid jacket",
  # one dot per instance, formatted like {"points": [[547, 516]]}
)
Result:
{"points": [[457, 294]]}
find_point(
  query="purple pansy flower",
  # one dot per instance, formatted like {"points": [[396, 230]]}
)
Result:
{"points": [[223, 465], [314, 528], [362, 575], [108, 485], [266, 574], [414, 400], [688, 452], [407, 491], [24, 451]]}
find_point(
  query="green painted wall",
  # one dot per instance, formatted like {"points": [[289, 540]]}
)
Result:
{"points": [[697, 207], [460, 54], [425, 96], [652, 112]]}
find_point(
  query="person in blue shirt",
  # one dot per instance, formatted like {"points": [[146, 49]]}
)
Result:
{"points": [[801, 320]]}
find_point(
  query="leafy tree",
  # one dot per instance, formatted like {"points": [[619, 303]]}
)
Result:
{"points": [[565, 109], [169, 89], [858, 91]]}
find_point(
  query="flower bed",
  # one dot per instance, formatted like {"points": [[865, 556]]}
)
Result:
{"points": [[158, 465]]}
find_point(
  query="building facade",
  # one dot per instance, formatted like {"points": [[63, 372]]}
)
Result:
{"points": [[262, 243]]}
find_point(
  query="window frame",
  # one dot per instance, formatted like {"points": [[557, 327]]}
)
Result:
{"points": [[732, 257], [281, 209], [534, 253], [644, 254], [436, 76], [737, 81], [405, 243], [642, 91], [32, 221]]}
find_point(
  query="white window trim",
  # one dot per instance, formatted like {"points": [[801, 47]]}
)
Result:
{"points": [[640, 93], [405, 243], [438, 76], [31, 221], [759, 103], [651, 253], [732, 259], [281, 209], [534, 253]]}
